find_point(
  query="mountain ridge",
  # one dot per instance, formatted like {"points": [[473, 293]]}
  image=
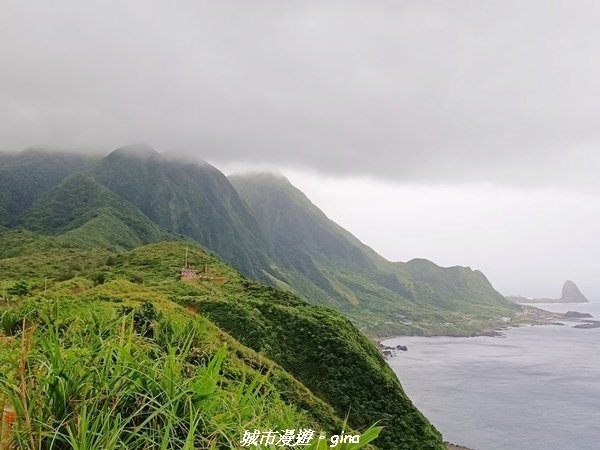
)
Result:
{"points": [[25, 176], [272, 232], [358, 279], [81, 209], [189, 199]]}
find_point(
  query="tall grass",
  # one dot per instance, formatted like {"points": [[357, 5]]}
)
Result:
{"points": [[91, 381], [95, 383]]}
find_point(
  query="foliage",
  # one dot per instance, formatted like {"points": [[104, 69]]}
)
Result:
{"points": [[189, 199], [26, 176], [92, 382], [324, 263], [334, 360], [19, 289], [86, 214], [275, 234], [312, 344], [145, 318]]}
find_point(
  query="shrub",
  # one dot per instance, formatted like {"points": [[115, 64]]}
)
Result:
{"points": [[19, 289], [99, 278]]}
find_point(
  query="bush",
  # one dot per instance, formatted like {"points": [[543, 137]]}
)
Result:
{"points": [[144, 318], [19, 289], [10, 322], [137, 278], [99, 278]]}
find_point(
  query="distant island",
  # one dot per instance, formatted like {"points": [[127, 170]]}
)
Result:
{"points": [[570, 294]]}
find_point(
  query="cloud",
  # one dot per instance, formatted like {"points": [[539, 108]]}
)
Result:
{"points": [[409, 91], [421, 109], [526, 242]]}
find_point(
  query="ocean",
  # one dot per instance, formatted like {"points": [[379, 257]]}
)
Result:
{"points": [[537, 388]]}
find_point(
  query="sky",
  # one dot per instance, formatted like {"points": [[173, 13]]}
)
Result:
{"points": [[465, 132]]}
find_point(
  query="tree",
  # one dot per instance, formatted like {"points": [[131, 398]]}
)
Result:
{"points": [[19, 289]]}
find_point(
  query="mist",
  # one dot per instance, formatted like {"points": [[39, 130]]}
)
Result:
{"points": [[465, 133]]}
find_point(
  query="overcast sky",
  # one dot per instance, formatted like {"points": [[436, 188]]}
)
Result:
{"points": [[464, 131]]}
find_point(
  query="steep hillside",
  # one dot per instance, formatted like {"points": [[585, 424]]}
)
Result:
{"points": [[324, 367], [105, 357], [87, 214], [326, 264], [190, 199], [451, 288], [26, 176], [276, 235]]}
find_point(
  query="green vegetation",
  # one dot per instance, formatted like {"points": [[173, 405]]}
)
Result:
{"points": [[126, 324], [92, 380], [104, 346], [26, 176], [19, 289], [268, 230], [86, 214], [329, 355], [321, 261], [189, 199]]}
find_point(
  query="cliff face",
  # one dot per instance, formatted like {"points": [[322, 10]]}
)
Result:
{"points": [[323, 262], [572, 294]]}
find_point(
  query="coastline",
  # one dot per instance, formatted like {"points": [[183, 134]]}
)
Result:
{"points": [[450, 446], [530, 316]]}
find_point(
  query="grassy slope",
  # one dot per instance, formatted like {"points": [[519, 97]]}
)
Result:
{"points": [[86, 214], [251, 391], [26, 176], [316, 345], [80, 302]]}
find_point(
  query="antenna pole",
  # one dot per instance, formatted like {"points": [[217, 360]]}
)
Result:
{"points": [[186, 256]]}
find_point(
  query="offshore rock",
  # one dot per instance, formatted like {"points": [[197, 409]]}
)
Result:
{"points": [[572, 294]]}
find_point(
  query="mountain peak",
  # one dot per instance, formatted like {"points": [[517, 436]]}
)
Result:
{"points": [[138, 151], [190, 199], [572, 294]]}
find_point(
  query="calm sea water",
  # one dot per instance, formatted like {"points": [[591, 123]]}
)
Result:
{"points": [[538, 388]]}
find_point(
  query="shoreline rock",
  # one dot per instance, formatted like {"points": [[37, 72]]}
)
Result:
{"points": [[388, 351], [451, 446], [491, 333], [577, 315], [588, 325], [572, 294]]}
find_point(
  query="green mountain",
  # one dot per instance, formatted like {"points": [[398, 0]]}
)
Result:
{"points": [[87, 214], [326, 264], [26, 176], [76, 246], [189, 199], [315, 368], [265, 228]]}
